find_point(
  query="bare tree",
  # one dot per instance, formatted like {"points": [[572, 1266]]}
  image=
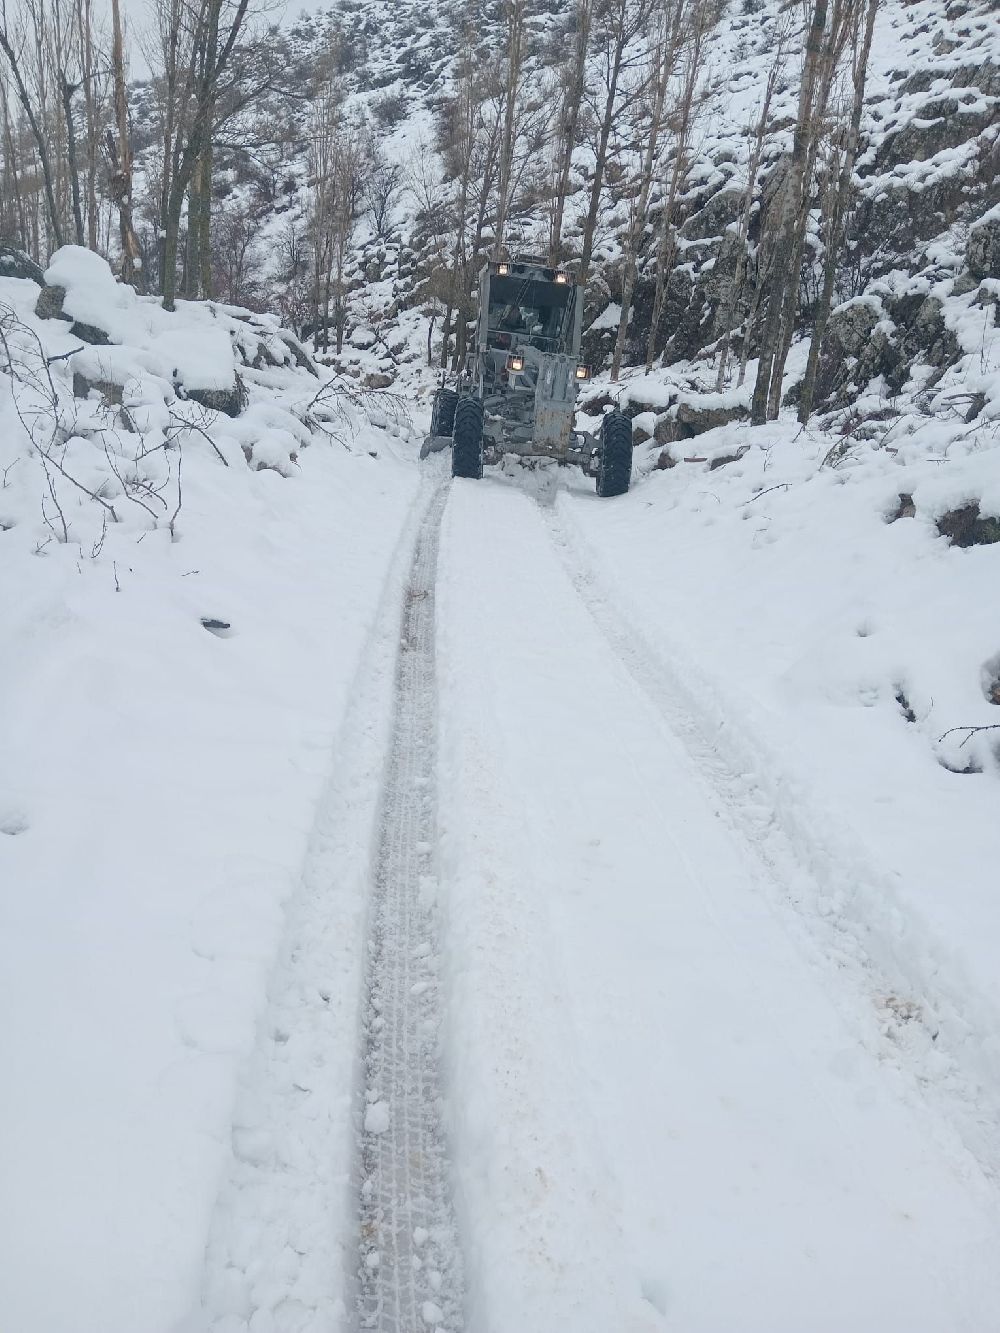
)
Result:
{"points": [[514, 16], [337, 171], [738, 283], [616, 25], [381, 189], [573, 86], [469, 141], [838, 199], [293, 274], [682, 121], [236, 259], [669, 20], [211, 70], [119, 149], [12, 46], [828, 28]]}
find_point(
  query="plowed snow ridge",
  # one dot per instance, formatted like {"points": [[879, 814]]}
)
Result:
{"points": [[409, 1267]]}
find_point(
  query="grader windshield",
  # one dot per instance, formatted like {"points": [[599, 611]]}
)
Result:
{"points": [[526, 310]]}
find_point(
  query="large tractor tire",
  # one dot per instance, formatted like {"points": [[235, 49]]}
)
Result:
{"points": [[614, 460], [443, 412], [467, 451]]}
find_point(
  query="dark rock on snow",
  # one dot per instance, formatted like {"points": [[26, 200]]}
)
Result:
{"points": [[966, 527]]}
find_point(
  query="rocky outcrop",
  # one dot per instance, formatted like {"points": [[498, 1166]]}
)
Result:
{"points": [[14, 263], [865, 340], [712, 220], [937, 125], [982, 250]]}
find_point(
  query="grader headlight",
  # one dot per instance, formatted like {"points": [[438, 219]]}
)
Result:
{"points": [[515, 363], [562, 277], [583, 372]]}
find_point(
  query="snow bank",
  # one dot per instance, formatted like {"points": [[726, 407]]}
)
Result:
{"points": [[182, 630]]}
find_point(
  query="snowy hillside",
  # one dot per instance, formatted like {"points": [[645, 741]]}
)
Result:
{"points": [[927, 171]]}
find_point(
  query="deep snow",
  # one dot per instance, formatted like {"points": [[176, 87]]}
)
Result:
{"points": [[673, 1112], [159, 786], [715, 920]]}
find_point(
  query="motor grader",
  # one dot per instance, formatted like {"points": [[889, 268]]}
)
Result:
{"points": [[516, 393]]}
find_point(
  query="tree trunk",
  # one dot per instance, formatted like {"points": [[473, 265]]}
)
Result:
{"points": [[204, 223], [515, 46], [794, 187], [780, 259], [739, 276], [571, 123], [192, 256], [121, 187], [826, 67], [600, 164], [171, 233], [665, 61], [339, 296], [666, 243], [88, 74], [839, 213]]}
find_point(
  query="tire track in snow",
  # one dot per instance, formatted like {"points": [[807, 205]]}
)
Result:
{"points": [[282, 1244], [409, 1274], [827, 890]]}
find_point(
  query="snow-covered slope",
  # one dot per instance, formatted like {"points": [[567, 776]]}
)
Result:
{"points": [[173, 679]]}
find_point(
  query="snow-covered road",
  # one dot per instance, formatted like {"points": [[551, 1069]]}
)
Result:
{"points": [[665, 1108], [555, 1002]]}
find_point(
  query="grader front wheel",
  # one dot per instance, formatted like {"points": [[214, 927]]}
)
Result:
{"points": [[467, 451], [614, 458]]}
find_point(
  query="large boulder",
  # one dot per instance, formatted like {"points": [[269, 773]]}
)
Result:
{"points": [[50, 302], [49, 305], [850, 327], [968, 527], [230, 400], [694, 416]]}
